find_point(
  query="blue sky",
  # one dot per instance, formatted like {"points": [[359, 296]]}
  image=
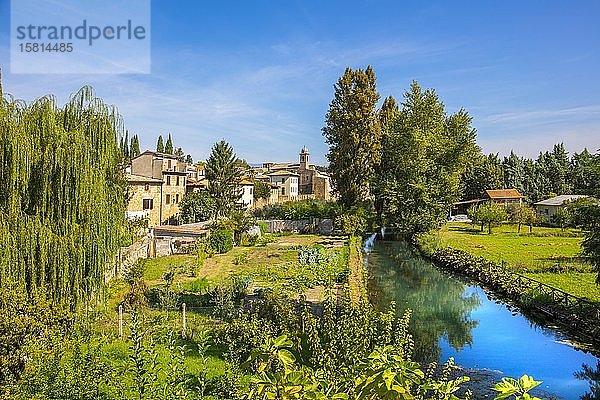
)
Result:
{"points": [[260, 74]]}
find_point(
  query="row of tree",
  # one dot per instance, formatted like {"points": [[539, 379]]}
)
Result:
{"points": [[553, 172], [408, 160], [130, 148]]}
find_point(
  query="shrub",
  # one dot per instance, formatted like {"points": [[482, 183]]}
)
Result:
{"points": [[221, 240]]}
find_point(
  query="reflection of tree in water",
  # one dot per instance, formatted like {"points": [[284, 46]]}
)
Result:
{"points": [[592, 376], [440, 308]]}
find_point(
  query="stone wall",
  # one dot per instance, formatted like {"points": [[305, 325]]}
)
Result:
{"points": [[315, 225]]}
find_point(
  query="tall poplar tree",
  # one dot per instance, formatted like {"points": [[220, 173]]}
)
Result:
{"points": [[388, 115], [160, 144], [353, 132], [169, 145], [223, 177]]}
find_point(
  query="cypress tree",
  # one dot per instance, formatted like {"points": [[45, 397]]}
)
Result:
{"points": [[160, 145], [135, 146], [126, 146], [169, 145], [62, 195]]}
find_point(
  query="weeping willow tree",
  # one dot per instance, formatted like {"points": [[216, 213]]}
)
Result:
{"points": [[62, 194]]}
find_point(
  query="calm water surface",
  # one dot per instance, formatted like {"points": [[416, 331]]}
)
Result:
{"points": [[454, 319]]}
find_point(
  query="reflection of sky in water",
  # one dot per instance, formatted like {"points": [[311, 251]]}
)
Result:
{"points": [[498, 339], [512, 345]]}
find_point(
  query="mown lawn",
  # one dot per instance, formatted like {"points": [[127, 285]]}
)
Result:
{"points": [[550, 255]]}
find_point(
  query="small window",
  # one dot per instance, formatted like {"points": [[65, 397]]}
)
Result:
{"points": [[283, 190], [147, 204], [169, 164], [168, 199], [251, 190], [177, 198], [147, 187], [177, 184], [168, 180]]}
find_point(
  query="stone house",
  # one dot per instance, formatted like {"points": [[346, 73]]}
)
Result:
{"points": [[286, 183], [157, 183]]}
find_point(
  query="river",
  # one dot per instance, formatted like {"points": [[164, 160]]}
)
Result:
{"points": [[454, 318]]}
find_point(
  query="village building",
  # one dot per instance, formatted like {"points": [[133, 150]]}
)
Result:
{"points": [[157, 183], [247, 192], [546, 209], [312, 183], [504, 197], [287, 184]]}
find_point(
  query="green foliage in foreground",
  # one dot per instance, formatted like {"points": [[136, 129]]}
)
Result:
{"points": [[275, 349]]}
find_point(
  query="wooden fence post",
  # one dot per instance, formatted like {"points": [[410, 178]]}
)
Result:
{"points": [[183, 320], [120, 321]]}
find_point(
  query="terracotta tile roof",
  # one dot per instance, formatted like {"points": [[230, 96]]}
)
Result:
{"points": [[246, 182], [504, 194]]}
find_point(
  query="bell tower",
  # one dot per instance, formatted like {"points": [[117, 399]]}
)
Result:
{"points": [[304, 158]]}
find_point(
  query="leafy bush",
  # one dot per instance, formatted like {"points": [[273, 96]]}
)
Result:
{"points": [[351, 224], [199, 285], [220, 241]]}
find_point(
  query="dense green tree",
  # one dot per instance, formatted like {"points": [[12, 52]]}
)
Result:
{"points": [[483, 173], [223, 176], [135, 146], [591, 244], [388, 114], [559, 171], [62, 194], [584, 177], [353, 132], [428, 152], [196, 207], [179, 154], [189, 160], [514, 172], [169, 145], [261, 190], [160, 144]]}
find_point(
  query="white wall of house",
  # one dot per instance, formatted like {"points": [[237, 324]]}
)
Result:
{"points": [[247, 199]]}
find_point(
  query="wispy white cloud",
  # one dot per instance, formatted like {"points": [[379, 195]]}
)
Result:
{"points": [[546, 116]]}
